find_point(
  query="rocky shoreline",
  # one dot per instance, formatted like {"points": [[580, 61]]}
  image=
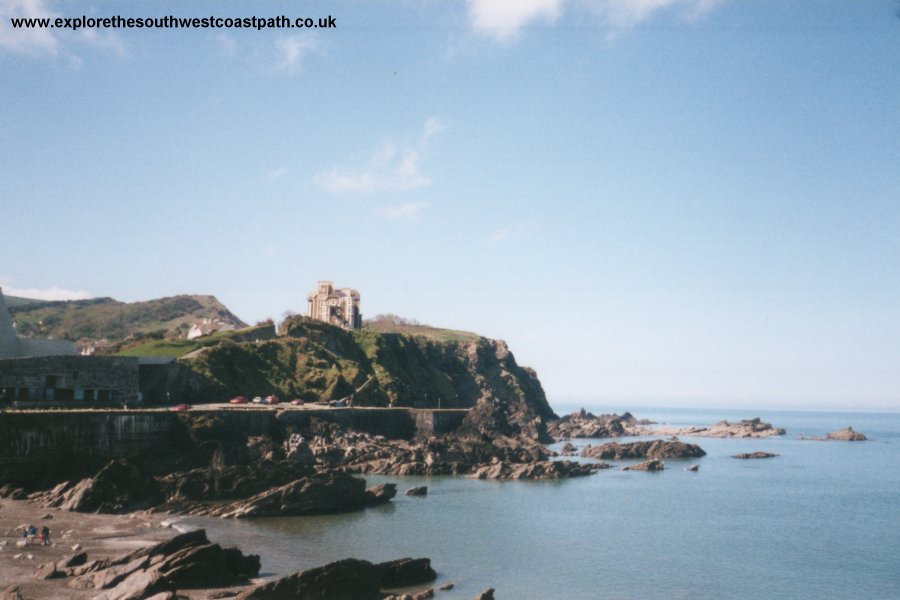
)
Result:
{"points": [[317, 467], [136, 556]]}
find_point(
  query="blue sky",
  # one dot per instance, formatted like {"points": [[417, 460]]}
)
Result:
{"points": [[654, 202]]}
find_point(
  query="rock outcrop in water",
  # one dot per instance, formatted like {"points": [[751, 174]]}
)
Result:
{"points": [[648, 449], [307, 496], [583, 424], [748, 428], [757, 454], [846, 435], [649, 465], [562, 469], [348, 579]]}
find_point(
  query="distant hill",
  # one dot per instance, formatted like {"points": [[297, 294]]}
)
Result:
{"points": [[105, 319]]}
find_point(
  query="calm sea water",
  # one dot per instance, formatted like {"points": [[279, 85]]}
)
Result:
{"points": [[821, 520]]}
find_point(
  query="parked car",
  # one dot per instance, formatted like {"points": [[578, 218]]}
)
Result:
{"points": [[257, 400], [238, 400], [272, 399], [297, 402], [181, 407], [337, 404]]}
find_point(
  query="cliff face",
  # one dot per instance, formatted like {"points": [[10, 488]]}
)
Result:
{"points": [[316, 361]]}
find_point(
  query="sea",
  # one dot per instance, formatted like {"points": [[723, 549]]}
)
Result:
{"points": [[821, 520]]}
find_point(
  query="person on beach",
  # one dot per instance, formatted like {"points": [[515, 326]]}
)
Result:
{"points": [[45, 536], [25, 536], [32, 531]]}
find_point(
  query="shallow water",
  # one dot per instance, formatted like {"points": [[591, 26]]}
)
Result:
{"points": [[820, 520]]}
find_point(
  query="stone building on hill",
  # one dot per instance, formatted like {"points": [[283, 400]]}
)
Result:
{"points": [[13, 346], [336, 306]]}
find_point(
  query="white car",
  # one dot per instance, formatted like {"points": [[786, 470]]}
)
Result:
{"points": [[257, 400]]}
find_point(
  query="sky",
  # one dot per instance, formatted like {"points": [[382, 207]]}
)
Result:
{"points": [[654, 202]]}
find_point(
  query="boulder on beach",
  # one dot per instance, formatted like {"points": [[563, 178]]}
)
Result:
{"points": [[120, 486], [188, 560], [12, 593]]}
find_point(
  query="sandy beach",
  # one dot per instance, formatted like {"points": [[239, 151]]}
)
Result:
{"points": [[101, 536]]}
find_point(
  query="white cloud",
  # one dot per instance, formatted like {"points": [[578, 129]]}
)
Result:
{"points": [[53, 293], [106, 39], [227, 44], [625, 14], [30, 40], [433, 126], [511, 231], [390, 168], [504, 19], [36, 41], [409, 211], [276, 173], [291, 52]]}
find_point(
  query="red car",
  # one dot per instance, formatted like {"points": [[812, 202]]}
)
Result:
{"points": [[181, 408], [297, 402], [273, 399], [238, 400]]}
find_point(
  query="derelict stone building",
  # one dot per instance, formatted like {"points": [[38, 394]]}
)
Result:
{"points": [[336, 306]]}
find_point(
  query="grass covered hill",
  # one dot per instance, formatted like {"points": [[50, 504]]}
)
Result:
{"points": [[316, 361], [98, 319]]}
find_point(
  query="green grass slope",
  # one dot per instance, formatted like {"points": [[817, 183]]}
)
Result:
{"points": [[316, 361]]}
